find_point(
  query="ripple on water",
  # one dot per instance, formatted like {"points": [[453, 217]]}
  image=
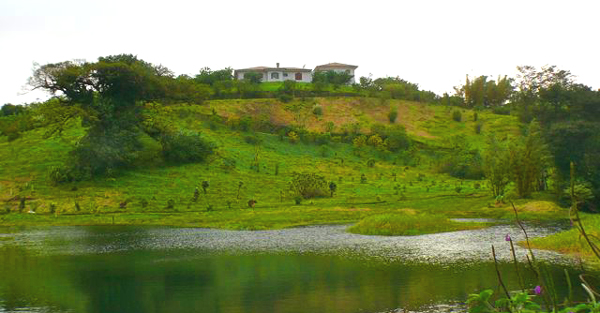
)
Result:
{"points": [[451, 247]]}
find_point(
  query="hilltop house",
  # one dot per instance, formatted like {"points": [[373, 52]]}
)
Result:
{"points": [[279, 74], [338, 68]]}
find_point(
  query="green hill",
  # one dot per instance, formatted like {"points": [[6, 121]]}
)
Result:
{"points": [[254, 160]]}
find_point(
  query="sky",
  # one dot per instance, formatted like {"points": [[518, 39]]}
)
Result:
{"points": [[433, 43]]}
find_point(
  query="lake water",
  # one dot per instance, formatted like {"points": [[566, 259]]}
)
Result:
{"points": [[309, 269]]}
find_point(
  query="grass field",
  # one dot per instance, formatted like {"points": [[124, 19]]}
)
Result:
{"points": [[409, 223], [571, 241]]}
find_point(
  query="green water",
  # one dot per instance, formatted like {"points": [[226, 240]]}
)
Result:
{"points": [[103, 270]]}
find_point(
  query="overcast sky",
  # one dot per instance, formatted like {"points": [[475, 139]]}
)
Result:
{"points": [[431, 43]]}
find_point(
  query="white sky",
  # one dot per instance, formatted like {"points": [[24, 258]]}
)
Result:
{"points": [[432, 43]]}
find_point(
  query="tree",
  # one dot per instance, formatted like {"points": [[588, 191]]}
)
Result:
{"points": [[253, 77], [576, 142], [107, 95], [210, 77], [309, 185], [542, 94], [481, 92], [11, 109], [529, 159], [334, 78], [462, 160], [496, 165]]}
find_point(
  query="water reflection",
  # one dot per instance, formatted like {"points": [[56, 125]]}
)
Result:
{"points": [[133, 275]]}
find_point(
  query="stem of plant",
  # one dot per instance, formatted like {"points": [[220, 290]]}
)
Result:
{"points": [[498, 273], [512, 250]]}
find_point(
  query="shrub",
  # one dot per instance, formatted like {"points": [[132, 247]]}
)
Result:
{"points": [[185, 148], [67, 173], [501, 110], [298, 200], [329, 127], [317, 110], [99, 153], [332, 188], [253, 140], [244, 124], [363, 179], [359, 141], [375, 141], [371, 163], [285, 98], [12, 136], [309, 185], [393, 115], [397, 139], [293, 136], [322, 138], [324, 151], [462, 161], [457, 116], [60, 174]]}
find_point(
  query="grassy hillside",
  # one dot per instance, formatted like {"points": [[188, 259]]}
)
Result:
{"points": [[142, 194], [427, 123]]}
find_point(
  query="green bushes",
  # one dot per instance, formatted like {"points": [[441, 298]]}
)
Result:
{"points": [[396, 139], [462, 161], [252, 140], [393, 115], [309, 185], [185, 148], [285, 98], [317, 110], [457, 116]]}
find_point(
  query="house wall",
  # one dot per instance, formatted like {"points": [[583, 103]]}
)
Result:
{"points": [[291, 75]]}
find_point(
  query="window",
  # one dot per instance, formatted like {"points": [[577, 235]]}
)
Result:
{"points": [[274, 75], [285, 75], [298, 76]]}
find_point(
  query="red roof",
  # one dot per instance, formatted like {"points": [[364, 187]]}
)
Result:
{"points": [[334, 66], [265, 69]]}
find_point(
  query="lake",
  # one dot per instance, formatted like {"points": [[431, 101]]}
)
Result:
{"points": [[308, 269]]}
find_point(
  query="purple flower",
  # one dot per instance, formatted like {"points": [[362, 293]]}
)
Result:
{"points": [[537, 290], [507, 237]]}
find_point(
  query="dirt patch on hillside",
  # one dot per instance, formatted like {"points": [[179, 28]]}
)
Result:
{"points": [[342, 112]]}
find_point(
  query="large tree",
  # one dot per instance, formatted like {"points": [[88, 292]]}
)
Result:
{"points": [[569, 114], [107, 95], [481, 92]]}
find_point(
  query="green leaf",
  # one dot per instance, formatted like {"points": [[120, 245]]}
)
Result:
{"points": [[486, 294]]}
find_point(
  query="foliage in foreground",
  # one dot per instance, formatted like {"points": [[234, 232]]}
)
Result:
{"points": [[545, 291]]}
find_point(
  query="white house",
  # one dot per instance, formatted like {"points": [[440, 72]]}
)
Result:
{"points": [[277, 74], [338, 68]]}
